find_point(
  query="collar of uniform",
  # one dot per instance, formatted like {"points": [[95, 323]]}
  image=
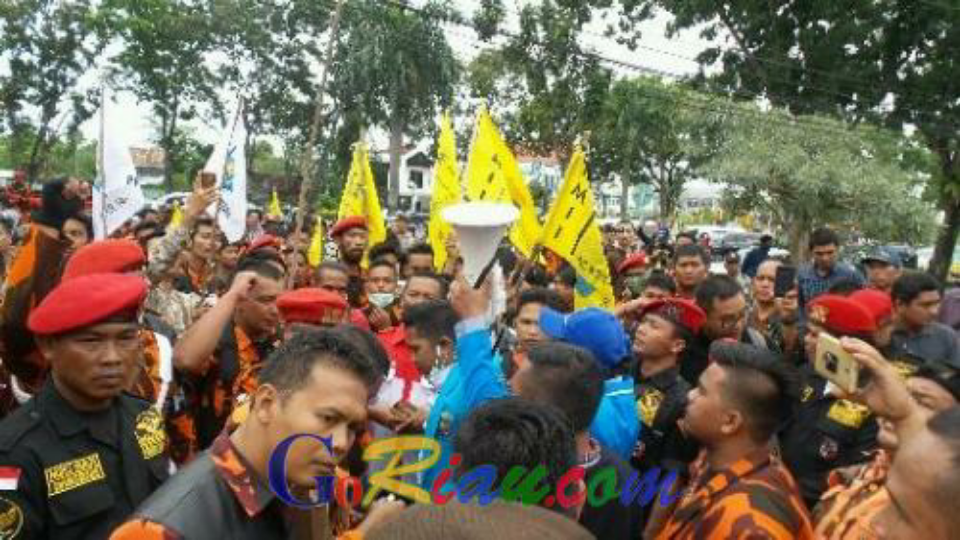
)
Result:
{"points": [[663, 380], [65, 419], [713, 482], [244, 343], [250, 492]]}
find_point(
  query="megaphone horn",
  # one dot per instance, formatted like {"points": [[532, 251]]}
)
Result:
{"points": [[480, 226]]}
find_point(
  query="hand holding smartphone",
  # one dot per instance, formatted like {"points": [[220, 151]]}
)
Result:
{"points": [[785, 281], [208, 180], [837, 365]]}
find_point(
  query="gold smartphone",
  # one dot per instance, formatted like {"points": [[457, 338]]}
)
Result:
{"points": [[835, 364]]}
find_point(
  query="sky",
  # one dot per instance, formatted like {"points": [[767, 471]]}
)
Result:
{"points": [[655, 52]]}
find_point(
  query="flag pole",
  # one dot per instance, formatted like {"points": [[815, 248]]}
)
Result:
{"points": [[306, 160], [100, 164]]}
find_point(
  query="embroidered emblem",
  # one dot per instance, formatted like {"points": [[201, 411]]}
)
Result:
{"points": [[847, 413], [11, 519], [648, 405], [807, 394], [72, 474], [829, 449], [149, 433]]}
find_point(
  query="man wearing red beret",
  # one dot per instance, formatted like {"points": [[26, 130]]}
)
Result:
{"points": [[79, 457], [631, 273], [311, 307], [351, 235], [828, 432], [666, 327]]}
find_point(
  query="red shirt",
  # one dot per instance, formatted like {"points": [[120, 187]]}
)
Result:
{"points": [[394, 340]]}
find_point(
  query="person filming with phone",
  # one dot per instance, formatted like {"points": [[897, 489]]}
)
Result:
{"points": [[829, 432]]}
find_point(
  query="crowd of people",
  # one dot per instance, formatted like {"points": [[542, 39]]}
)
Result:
{"points": [[148, 381]]}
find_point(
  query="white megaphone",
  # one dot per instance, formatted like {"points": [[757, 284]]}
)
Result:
{"points": [[480, 227]]}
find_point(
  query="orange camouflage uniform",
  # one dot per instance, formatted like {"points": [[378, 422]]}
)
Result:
{"points": [[754, 498], [854, 498]]}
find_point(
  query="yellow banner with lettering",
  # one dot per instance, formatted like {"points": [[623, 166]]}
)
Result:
{"points": [[446, 191]]}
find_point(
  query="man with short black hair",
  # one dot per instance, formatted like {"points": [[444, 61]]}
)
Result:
{"points": [[569, 378], [380, 289], [691, 266], [816, 277], [510, 432], [226, 348], [757, 255], [526, 324], [352, 235], [417, 260], [916, 332], [722, 299], [316, 385], [883, 268], [738, 490]]}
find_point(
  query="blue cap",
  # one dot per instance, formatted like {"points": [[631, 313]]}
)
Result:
{"points": [[594, 329]]}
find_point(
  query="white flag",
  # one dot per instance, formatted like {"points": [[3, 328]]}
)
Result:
{"points": [[117, 196], [229, 163]]}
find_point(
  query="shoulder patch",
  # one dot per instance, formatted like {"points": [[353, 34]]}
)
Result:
{"points": [[14, 427], [848, 413], [149, 433]]}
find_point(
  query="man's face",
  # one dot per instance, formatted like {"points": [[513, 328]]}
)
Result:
{"points": [[400, 226], [656, 338], [565, 291], [732, 266], [914, 511], [381, 279], [95, 363], [706, 410], [333, 281], [884, 333], [419, 263], [527, 325], [229, 256], [689, 272], [824, 257], [810, 339], [204, 242], [253, 220], [922, 310], [727, 318], [652, 293], [257, 311], [76, 233], [881, 275], [353, 244], [332, 403], [764, 282], [931, 399], [423, 349], [790, 306], [418, 291]]}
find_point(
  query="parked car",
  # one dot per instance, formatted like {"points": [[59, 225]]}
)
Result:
{"points": [[736, 241]]}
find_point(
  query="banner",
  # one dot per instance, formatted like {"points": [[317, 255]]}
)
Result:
{"points": [[117, 196], [571, 231], [446, 191], [315, 253], [274, 210], [493, 174], [229, 163], [360, 195]]}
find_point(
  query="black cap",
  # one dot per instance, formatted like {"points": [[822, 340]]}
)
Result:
{"points": [[884, 256]]}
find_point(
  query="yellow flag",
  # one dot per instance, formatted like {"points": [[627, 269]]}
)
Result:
{"points": [[493, 174], [315, 254], [273, 210], [572, 232], [176, 218], [446, 191], [360, 195]]}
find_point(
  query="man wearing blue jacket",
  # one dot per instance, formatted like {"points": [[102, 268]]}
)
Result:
{"points": [[616, 424], [452, 347]]}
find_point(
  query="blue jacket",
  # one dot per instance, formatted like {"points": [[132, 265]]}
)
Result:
{"points": [[616, 424], [476, 377]]}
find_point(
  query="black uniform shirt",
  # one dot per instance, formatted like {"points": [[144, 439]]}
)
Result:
{"points": [[826, 433], [68, 474]]}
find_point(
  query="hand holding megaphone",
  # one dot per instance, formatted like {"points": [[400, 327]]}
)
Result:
{"points": [[470, 302]]}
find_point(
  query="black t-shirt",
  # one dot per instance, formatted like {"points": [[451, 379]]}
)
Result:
{"points": [[613, 519]]}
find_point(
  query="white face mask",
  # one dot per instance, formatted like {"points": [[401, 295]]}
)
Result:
{"points": [[381, 300]]}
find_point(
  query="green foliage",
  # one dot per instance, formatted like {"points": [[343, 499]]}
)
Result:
{"points": [[49, 45], [809, 171], [71, 156]]}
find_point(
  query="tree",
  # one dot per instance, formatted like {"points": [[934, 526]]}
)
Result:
{"points": [[651, 132], [164, 63], [48, 45], [886, 61], [395, 69], [554, 87], [810, 171]]}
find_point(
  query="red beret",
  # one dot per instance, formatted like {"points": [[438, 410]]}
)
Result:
{"points": [[85, 301], [312, 306], [637, 260], [842, 315], [265, 241], [104, 257], [345, 224], [679, 311], [878, 303]]}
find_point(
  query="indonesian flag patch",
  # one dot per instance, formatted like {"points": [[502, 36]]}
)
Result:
{"points": [[9, 478]]}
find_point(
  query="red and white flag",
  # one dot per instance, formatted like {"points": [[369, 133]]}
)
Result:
{"points": [[9, 478]]}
